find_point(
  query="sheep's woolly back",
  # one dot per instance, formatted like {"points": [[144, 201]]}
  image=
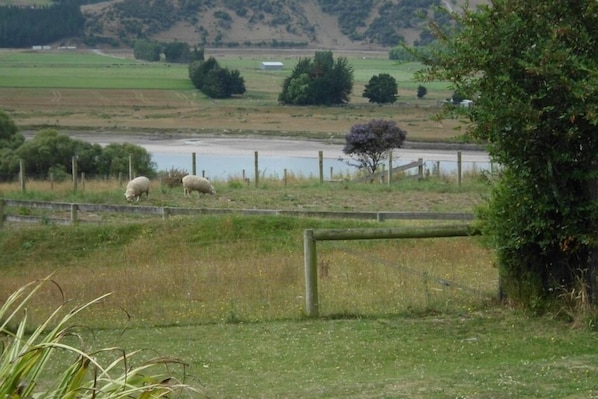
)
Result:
{"points": [[197, 183], [136, 187]]}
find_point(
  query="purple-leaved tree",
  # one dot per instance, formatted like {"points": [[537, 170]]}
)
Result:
{"points": [[368, 144]]}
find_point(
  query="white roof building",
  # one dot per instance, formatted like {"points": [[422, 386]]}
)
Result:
{"points": [[271, 65]]}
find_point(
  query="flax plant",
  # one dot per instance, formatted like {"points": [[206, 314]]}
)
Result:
{"points": [[27, 355]]}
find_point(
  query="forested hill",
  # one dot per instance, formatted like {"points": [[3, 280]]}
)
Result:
{"points": [[223, 23]]}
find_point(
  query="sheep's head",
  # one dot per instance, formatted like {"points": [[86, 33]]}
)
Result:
{"points": [[130, 195]]}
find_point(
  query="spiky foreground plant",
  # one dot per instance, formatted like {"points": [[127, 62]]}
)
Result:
{"points": [[25, 356]]}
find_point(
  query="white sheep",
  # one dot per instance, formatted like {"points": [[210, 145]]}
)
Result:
{"points": [[197, 183], [136, 187]]}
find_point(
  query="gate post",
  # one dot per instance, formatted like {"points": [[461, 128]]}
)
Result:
{"points": [[311, 274]]}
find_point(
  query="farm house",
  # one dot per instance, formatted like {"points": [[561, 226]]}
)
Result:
{"points": [[271, 65]]}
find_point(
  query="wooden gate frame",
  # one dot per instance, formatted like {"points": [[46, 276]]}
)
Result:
{"points": [[311, 236]]}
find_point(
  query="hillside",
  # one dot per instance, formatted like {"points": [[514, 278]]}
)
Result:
{"points": [[334, 24]]}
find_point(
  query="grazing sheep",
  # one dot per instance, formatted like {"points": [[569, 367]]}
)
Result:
{"points": [[197, 183], [136, 187]]}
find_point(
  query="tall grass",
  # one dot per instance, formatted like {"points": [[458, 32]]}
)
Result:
{"points": [[207, 269]]}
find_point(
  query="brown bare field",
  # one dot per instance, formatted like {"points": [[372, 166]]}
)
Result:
{"points": [[190, 112]]}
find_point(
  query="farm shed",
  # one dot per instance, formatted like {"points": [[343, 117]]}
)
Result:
{"points": [[271, 65]]}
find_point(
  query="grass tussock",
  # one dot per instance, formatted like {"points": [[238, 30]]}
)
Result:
{"points": [[49, 358]]}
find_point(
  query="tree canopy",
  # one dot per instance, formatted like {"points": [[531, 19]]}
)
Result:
{"points": [[215, 81], [50, 149], [381, 89], [10, 137], [177, 52], [368, 143], [147, 50], [530, 67], [318, 81], [39, 25], [52, 152]]}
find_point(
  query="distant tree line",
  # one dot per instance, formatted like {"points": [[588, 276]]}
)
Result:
{"points": [[52, 152], [175, 52], [29, 26]]}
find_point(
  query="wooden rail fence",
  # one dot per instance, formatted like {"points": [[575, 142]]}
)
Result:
{"points": [[75, 209], [310, 237]]}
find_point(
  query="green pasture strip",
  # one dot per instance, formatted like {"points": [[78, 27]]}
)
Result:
{"points": [[487, 354], [131, 76], [94, 71], [35, 58]]}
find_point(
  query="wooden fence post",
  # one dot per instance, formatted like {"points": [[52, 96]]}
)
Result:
{"points": [[389, 167], [285, 177], [74, 208], [1, 213], [74, 172], [256, 170], [131, 167], [193, 164], [321, 165], [22, 175], [311, 274], [459, 167], [420, 168]]}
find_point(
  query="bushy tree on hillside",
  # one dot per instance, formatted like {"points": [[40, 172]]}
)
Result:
{"points": [[421, 91], [318, 81], [530, 66], [368, 144], [215, 81], [381, 89]]}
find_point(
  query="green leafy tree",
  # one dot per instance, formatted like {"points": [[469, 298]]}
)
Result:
{"points": [[318, 81], [10, 137], [147, 51], [400, 53], [215, 81], [381, 89], [9, 164], [10, 140], [115, 160], [530, 66], [177, 52], [197, 54], [51, 149], [368, 143]]}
